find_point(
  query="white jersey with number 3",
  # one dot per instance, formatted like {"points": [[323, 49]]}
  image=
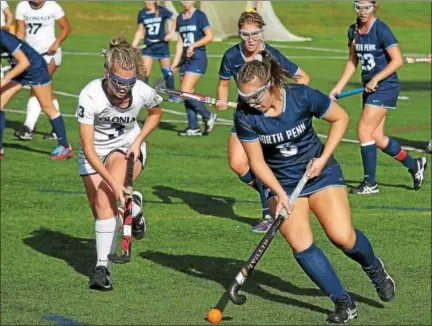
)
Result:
{"points": [[39, 23], [113, 127]]}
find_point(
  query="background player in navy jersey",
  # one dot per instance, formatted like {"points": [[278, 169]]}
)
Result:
{"points": [[195, 33], [250, 27], [372, 43], [151, 26], [275, 128], [30, 69]]}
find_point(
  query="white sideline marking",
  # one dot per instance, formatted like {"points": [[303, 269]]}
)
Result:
{"points": [[223, 122]]}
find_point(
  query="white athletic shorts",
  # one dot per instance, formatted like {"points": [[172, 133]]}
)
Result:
{"points": [[56, 56], [86, 169]]}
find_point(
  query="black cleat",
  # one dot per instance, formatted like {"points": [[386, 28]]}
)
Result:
{"points": [[24, 133], [345, 310], [50, 135], [101, 279], [138, 222], [365, 188], [382, 281], [418, 174], [209, 124], [190, 132]]}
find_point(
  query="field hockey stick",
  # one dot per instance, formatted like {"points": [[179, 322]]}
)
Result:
{"points": [[349, 93], [417, 60], [161, 88], [143, 46], [126, 243], [259, 251]]}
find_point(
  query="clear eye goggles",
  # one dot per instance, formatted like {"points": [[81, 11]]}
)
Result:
{"points": [[256, 35], [366, 8], [121, 85], [256, 97]]}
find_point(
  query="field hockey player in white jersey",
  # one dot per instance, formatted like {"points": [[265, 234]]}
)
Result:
{"points": [[36, 22], [109, 132]]}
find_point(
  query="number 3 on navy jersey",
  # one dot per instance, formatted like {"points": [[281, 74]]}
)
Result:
{"points": [[287, 149], [188, 39], [367, 61]]}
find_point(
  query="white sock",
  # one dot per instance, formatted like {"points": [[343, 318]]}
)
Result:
{"points": [[56, 104], [33, 111], [106, 232]]}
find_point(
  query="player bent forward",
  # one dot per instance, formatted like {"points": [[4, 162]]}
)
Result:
{"points": [[107, 113]]}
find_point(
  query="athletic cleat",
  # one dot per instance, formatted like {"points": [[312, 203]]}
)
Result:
{"points": [[418, 174], [382, 281], [209, 124], [429, 147], [190, 132], [61, 153], [101, 279], [1, 153], [139, 226], [50, 135], [365, 188], [175, 99], [24, 133], [263, 225], [345, 310]]}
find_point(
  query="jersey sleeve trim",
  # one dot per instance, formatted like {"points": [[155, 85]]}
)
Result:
{"points": [[16, 49], [392, 46], [207, 27], [326, 111], [297, 71]]}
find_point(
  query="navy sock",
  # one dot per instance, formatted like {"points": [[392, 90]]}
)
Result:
{"points": [[201, 109], [249, 179], [395, 150], [168, 76], [362, 251], [321, 272], [2, 127], [191, 115], [60, 130], [369, 158]]}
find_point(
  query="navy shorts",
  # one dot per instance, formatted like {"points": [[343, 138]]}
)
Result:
{"points": [[196, 65], [385, 96], [331, 176], [35, 75], [157, 51]]}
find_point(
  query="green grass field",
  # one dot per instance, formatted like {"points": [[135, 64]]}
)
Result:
{"points": [[199, 214]]}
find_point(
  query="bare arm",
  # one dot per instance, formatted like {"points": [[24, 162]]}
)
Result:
{"points": [[179, 52], [150, 124], [21, 66], [396, 61], [301, 77], [349, 71], [208, 38], [9, 17], [65, 30], [21, 29], [139, 35], [222, 93]]}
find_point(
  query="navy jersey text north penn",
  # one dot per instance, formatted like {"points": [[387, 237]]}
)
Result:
{"points": [[289, 140], [155, 26], [371, 50], [37, 73], [192, 29], [234, 59]]}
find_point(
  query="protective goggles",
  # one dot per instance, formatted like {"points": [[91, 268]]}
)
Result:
{"points": [[256, 35], [256, 97], [121, 85], [366, 8]]}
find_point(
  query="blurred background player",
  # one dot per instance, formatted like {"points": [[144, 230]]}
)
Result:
{"points": [[107, 113], [276, 131], [30, 69], [6, 23], [195, 33], [36, 22], [372, 43], [151, 26], [250, 27]]}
